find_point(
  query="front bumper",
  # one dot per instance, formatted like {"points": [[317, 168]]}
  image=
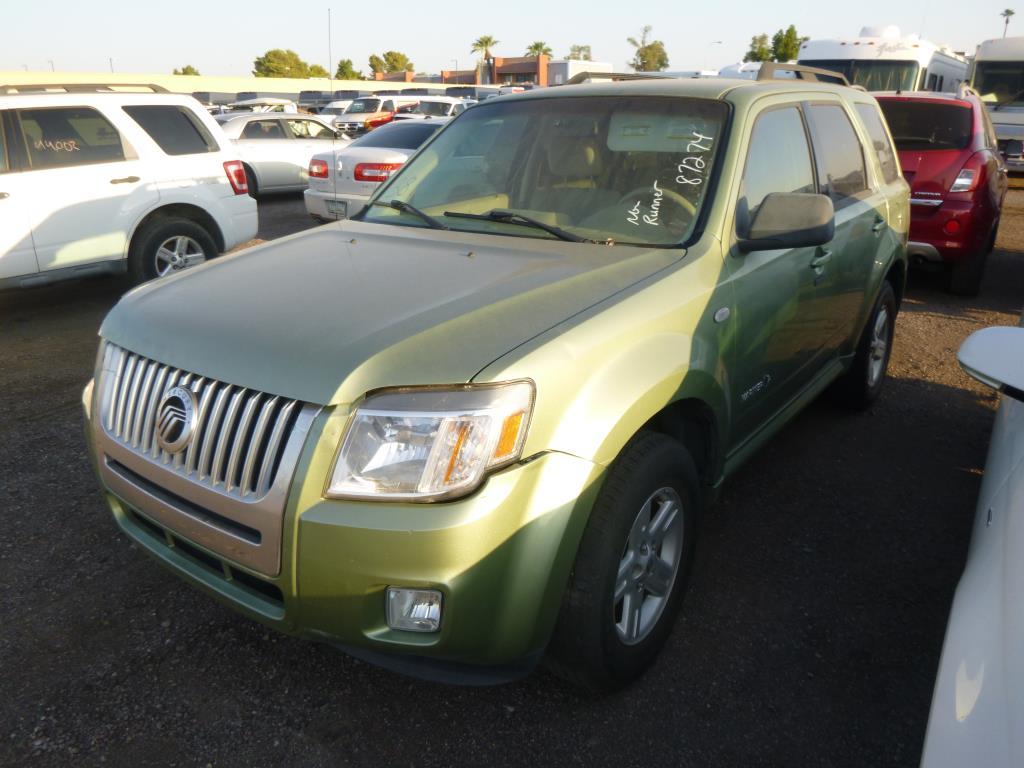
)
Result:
{"points": [[324, 205], [501, 559]]}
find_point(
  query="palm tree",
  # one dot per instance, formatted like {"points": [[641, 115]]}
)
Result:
{"points": [[1006, 19], [538, 49], [483, 45]]}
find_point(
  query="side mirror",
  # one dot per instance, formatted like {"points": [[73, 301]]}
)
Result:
{"points": [[995, 357], [790, 220], [1013, 148]]}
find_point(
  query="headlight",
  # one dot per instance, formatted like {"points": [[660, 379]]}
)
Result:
{"points": [[430, 443]]}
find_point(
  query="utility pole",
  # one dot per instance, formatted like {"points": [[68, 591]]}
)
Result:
{"points": [[111, 60]]}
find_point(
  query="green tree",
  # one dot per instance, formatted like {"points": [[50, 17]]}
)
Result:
{"points": [[579, 53], [315, 70], [760, 49], [538, 48], [280, 63], [786, 44], [395, 61], [1006, 18], [483, 46], [650, 55], [376, 64], [188, 69], [347, 71]]}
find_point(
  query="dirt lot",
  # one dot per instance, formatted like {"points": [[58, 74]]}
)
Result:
{"points": [[810, 635]]}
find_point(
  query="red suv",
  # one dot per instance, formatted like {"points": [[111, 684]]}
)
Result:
{"points": [[957, 178]]}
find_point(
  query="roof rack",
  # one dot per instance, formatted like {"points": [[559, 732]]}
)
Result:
{"points": [[79, 87], [584, 77], [800, 72], [963, 89]]}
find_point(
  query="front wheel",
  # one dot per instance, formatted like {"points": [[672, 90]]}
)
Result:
{"points": [[632, 566], [167, 246]]}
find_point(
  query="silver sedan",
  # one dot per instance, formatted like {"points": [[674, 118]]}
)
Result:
{"points": [[276, 148]]}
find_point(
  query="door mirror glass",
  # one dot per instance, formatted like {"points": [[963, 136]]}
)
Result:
{"points": [[995, 356], [790, 220]]}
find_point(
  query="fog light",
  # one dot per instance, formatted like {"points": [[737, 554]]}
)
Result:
{"points": [[414, 610]]}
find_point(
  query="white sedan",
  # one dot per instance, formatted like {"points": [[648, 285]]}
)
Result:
{"points": [[341, 181], [276, 148], [977, 716]]}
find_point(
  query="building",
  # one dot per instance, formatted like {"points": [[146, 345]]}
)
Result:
{"points": [[538, 70]]}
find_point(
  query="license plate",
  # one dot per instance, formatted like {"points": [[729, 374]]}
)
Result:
{"points": [[338, 208]]}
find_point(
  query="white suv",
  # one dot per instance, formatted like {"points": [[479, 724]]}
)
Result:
{"points": [[102, 182]]}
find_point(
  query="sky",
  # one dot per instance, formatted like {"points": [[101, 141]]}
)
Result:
{"points": [[221, 38]]}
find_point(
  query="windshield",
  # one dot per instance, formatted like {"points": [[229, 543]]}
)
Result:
{"points": [[628, 169], [873, 75], [926, 125], [363, 106], [1000, 82], [405, 135], [434, 108]]}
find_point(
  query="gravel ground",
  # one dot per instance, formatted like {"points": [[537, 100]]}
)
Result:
{"points": [[810, 635]]}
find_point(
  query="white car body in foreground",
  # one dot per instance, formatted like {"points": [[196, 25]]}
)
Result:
{"points": [[977, 714], [347, 186]]}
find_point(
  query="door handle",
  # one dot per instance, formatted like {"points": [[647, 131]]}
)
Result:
{"points": [[125, 180], [879, 225], [819, 261]]}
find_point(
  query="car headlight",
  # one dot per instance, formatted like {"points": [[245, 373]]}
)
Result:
{"points": [[430, 443]]}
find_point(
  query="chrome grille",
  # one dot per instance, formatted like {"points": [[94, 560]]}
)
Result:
{"points": [[240, 434]]}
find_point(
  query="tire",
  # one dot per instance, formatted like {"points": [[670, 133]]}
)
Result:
{"points": [[161, 241], [599, 643], [251, 183], [862, 383], [964, 277]]}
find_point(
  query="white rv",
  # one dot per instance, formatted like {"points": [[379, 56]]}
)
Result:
{"points": [[881, 59], [998, 76]]}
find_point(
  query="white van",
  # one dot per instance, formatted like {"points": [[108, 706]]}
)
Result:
{"points": [[998, 76]]}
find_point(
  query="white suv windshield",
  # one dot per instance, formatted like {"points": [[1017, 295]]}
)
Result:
{"points": [[626, 169], [363, 106]]}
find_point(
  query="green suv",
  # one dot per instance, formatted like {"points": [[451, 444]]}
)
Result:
{"points": [[477, 425]]}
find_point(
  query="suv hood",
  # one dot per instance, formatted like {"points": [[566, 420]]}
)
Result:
{"points": [[324, 316]]}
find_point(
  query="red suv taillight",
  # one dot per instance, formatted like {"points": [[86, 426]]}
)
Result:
{"points": [[375, 171], [969, 175], [318, 169], [374, 122], [236, 175]]}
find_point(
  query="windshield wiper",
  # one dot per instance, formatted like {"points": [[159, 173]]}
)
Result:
{"points": [[404, 207], [1010, 100], [511, 217]]}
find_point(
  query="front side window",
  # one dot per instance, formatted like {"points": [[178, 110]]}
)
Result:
{"points": [[174, 129], [309, 129], [5, 164], [838, 151], [263, 129], [924, 125], [879, 141], [778, 160], [632, 169], [66, 136]]}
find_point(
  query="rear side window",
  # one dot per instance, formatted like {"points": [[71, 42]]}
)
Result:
{"points": [[263, 129], [309, 129], [840, 156], [879, 141], [924, 125], [67, 136], [174, 129], [778, 160]]}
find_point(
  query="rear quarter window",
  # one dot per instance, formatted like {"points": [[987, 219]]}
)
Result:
{"points": [[174, 129], [879, 141], [59, 137], [840, 157]]}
